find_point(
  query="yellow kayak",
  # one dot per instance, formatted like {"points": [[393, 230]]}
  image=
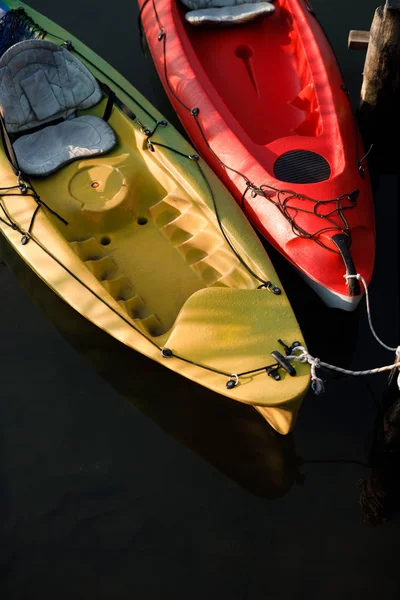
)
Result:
{"points": [[133, 230]]}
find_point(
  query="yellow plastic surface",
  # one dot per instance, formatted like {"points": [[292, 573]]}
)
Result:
{"points": [[143, 242]]}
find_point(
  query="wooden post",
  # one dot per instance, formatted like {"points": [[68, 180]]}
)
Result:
{"points": [[358, 40], [379, 112], [380, 493]]}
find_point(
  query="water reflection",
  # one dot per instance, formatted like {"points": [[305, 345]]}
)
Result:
{"points": [[230, 436]]}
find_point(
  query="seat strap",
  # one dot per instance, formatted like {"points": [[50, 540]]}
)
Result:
{"points": [[8, 147], [113, 99], [7, 142], [19, 134]]}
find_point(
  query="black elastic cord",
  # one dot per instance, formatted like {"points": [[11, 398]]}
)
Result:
{"points": [[195, 158], [47, 207], [40, 203], [9, 222], [109, 106], [19, 134], [123, 107], [112, 99], [29, 190], [283, 196], [107, 90], [148, 133], [8, 147]]}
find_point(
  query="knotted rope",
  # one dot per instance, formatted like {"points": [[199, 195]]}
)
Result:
{"points": [[317, 384], [300, 354]]}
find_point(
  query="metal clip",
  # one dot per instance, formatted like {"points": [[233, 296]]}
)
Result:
{"points": [[255, 191], [23, 188], [232, 381], [353, 196], [138, 122], [271, 287], [273, 371], [68, 45]]}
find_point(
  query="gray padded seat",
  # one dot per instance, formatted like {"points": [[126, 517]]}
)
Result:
{"points": [[41, 82], [226, 12]]}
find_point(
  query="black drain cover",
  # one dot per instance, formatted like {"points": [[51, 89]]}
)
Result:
{"points": [[302, 166]]}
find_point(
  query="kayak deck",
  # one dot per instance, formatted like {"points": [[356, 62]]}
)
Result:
{"points": [[148, 244], [265, 104], [157, 254], [271, 94]]}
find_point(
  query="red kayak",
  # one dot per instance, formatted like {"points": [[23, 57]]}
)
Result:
{"points": [[265, 104]]}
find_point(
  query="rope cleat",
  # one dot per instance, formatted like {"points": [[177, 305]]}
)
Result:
{"points": [[273, 371], [284, 363], [289, 349]]}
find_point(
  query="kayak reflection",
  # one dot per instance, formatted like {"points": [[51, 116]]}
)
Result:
{"points": [[230, 436]]}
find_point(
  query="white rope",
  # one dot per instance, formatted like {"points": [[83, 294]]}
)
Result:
{"points": [[361, 278], [316, 382], [300, 353]]}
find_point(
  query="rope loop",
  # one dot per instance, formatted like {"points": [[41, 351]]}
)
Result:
{"points": [[317, 386], [300, 354], [361, 278]]}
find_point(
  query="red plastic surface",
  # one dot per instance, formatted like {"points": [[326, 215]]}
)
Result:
{"points": [[263, 89]]}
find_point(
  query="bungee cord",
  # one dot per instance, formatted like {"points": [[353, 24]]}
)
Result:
{"points": [[284, 203], [283, 196], [296, 352], [28, 189]]}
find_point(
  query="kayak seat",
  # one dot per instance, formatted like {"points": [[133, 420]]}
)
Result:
{"points": [[42, 85], [226, 12]]}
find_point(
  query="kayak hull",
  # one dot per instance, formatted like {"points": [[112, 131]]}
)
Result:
{"points": [[265, 104], [158, 255]]}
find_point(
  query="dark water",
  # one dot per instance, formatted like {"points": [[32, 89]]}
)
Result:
{"points": [[178, 493]]}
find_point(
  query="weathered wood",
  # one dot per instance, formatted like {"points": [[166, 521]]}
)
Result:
{"points": [[381, 71], [358, 40], [379, 112], [380, 493]]}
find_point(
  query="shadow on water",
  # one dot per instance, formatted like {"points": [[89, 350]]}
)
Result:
{"points": [[329, 332], [4, 499], [229, 435]]}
